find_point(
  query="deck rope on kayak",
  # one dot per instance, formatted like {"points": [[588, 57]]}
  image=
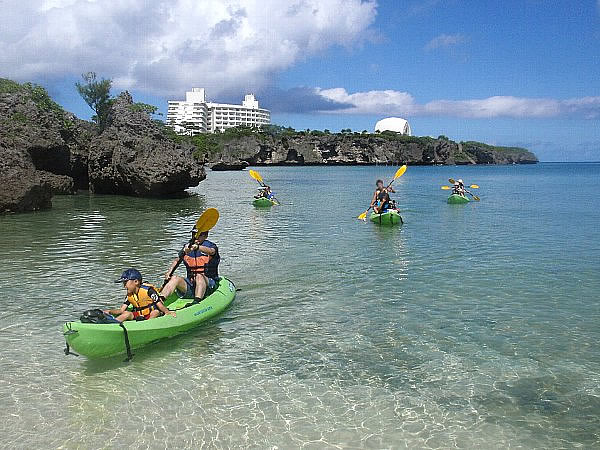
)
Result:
{"points": [[67, 349], [127, 346]]}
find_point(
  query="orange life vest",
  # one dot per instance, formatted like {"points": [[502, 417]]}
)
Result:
{"points": [[143, 302], [199, 262]]}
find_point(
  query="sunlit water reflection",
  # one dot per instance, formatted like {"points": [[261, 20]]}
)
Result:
{"points": [[471, 326]]}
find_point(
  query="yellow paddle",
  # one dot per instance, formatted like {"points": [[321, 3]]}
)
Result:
{"points": [[207, 220], [446, 188], [254, 174], [398, 174], [473, 186]]}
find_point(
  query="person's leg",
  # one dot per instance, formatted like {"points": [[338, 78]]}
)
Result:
{"points": [[153, 314], [174, 283], [127, 315], [201, 285]]}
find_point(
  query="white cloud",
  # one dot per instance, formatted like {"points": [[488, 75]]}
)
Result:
{"points": [[390, 102], [167, 46], [445, 40]]}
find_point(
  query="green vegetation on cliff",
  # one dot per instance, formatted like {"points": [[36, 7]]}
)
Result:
{"points": [[35, 92], [275, 144]]}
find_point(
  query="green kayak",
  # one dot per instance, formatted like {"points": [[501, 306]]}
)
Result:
{"points": [[456, 199], [263, 202], [391, 217], [101, 340]]}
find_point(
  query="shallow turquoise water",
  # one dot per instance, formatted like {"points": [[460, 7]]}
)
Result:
{"points": [[471, 326]]}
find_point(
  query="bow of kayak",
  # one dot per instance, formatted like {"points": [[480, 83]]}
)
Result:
{"points": [[456, 199], [263, 202], [102, 340], [391, 217]]}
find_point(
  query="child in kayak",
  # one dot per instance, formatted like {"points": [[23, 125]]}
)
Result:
{"points": [[381, 197], [145, 300], [201, 259]]}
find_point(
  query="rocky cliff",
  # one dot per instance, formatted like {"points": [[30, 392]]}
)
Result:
{"points": [[45, 150], [301, 148], [133, 156]]}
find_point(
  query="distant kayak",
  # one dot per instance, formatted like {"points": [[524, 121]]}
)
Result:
{"points": [[263, 202], [391, 217], [101, 340], [456, 199]]}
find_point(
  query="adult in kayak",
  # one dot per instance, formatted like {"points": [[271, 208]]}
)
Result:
{"points": [[201, 259], [143, 297], [381, 198], [264, 192], [459, 188]]}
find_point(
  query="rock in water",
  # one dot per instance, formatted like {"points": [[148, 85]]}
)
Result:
{"points": [[230, 165], [132, 156], [21, 188], [38, 140]]}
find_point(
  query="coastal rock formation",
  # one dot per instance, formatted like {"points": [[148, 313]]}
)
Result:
{"points": [[36, 136], [230, 165], [132, 156], [46, 150], [24, 191], [303, 148], [21, 188]]}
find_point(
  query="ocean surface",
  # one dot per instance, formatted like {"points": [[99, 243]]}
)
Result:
{"points": [[472, 326]]}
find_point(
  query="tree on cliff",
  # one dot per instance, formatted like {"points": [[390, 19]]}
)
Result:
{"points": [[96, 94]]}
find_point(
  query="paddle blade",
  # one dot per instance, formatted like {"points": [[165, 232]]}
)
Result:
{"points": [[474, 186], [254, 174], [476, 198], [363, 216], [207, 220], [451, 180], [446, 188], [400, 172]]}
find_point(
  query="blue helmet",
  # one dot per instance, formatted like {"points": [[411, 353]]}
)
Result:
{"points": [[130, 274]]}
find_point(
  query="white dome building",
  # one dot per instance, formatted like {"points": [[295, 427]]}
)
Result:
{"points": [[395, 124]]}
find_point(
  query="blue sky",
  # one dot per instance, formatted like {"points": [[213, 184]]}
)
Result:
{"points": [[509, 73]]}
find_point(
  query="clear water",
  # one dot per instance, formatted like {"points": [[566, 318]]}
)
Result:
{"points": [[471, 326]]}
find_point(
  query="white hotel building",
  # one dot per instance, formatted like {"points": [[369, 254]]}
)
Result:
{"points": [[196, 115]]}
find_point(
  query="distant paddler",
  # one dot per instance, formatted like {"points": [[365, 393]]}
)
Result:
{"points": [[381, 201], [264, 191], [458, 188]]}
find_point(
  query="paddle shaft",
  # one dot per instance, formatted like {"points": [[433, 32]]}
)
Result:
{"points": [[179, 261]]}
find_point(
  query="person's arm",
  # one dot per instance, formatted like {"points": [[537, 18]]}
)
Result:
{"points": [[172, 268], [119, 311], [374, 199], [391, 189], [208, 250], [166, 311], [177, 261], [155, 296]]}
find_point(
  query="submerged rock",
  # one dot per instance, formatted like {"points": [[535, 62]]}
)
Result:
{"points": [[132, 156]]}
